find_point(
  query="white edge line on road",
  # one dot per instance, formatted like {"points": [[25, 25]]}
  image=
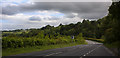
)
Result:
{"points": [[108, 50]]}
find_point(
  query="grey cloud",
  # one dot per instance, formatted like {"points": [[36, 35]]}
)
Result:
{"points": [[35, 18], [10, 10], [70, 15], [53, 18], [85, 10], [20, 26], [93, 15]]}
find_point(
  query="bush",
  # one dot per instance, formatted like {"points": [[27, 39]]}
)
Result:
{"points": [[17, 42]]}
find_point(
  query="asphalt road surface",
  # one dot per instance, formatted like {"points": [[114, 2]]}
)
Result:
{"points": [[91, 49]]}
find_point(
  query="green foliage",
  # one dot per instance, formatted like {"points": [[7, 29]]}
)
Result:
{"points": [[16, 42], [50, 35], [80, 38], [111, 25], [97, 40], [87, 28]]}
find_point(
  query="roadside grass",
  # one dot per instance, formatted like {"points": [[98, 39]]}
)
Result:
{"points": [[113, 45], [97, 40], [14, 51]]}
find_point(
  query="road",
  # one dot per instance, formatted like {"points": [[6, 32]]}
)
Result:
{"points": [[91, 49]]}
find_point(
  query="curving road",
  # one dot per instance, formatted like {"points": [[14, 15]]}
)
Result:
{"points": [[91, 49]]}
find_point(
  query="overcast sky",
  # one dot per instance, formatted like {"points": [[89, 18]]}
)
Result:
{"points": [[23, 14]]}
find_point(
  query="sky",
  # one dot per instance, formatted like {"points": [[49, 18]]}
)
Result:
{"points": [[25, 14]]}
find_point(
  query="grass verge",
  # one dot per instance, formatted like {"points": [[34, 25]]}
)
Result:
{"points": [[97, 40], [114, 47], [14, 51]]}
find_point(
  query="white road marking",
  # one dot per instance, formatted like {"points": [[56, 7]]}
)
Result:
{"points": [[50, 54], [92, 50], [80, 57], [53, 54], [82, 49], [58, 53], [87, 53], [61, 52]]}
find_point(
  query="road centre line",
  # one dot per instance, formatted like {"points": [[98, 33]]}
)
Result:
{"points": [[61, 52], [92, 50]]}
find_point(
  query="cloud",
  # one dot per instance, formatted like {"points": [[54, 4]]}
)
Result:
{"points": [[84, 9], [16, 19], [70, 15], [72, 0], [23, 22], [35, 18], [54, 18], [39, 14]]}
